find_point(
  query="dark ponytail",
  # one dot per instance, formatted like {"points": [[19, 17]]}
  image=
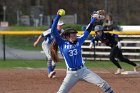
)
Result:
{"points": [[54, 46], [54, 51]]}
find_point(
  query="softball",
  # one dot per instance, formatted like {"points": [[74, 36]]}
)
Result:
{"points": [[61, 12]]}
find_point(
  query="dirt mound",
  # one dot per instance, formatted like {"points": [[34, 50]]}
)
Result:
{"points": [[36, 81]]}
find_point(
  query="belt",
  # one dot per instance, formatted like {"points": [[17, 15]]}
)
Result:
{"points": [[75, 69]]}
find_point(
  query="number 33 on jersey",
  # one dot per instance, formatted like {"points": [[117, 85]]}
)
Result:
{"points": [[72, 49]]}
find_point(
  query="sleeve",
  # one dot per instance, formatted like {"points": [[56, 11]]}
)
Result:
{"points": [[54, 31], [109, 35], [42, 35], [92, 42], [45, 33], [115, 35], [112, 35], [97, 40], [87, 31]]}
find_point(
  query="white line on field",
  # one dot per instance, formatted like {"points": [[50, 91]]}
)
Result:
{"points": [[59, 69]]}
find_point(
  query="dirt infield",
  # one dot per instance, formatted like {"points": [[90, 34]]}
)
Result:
{"points": [[36, 81]]}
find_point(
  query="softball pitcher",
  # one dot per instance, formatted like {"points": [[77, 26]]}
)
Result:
{"points": [[70, 48], [47, 40]]}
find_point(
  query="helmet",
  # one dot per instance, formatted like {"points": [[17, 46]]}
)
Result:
{"points": [[68, 31], [98, 28]]}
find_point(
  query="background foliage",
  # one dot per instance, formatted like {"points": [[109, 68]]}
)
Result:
{"points": [[125, 12]]}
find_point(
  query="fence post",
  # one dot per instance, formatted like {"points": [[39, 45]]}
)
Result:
{"points": [[3, 41], [94, 49]]}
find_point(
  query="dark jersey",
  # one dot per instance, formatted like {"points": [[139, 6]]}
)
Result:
{"points": [[106, 38]]}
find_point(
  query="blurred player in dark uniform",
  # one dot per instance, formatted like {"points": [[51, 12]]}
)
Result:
{"points": [[116, 52]]}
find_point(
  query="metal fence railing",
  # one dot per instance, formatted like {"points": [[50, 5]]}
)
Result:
{"points": [[130, 46]]}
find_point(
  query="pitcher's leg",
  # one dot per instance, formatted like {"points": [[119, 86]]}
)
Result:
{"points": [[69, 81], [97, 80]]}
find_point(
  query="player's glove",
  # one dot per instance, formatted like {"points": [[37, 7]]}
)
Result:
{"points": [[97, 16], [100, 15], [101, 12]]}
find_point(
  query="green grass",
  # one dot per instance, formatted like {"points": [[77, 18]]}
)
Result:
{"points": [[42, 28], [43, 64], [24, 42], [27, 63], [22, 63], [108, 65]]}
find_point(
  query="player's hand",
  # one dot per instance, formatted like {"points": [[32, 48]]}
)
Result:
{"points": [[61, 12], [91, 45], [98, 17], [119, 45]]}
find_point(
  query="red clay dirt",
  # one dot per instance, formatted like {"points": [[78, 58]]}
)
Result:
{"points": [[36, 81]]}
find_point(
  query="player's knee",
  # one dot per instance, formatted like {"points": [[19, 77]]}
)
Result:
{"points": [[49, 58], [112, 59], [49, 62], [123, 59]]}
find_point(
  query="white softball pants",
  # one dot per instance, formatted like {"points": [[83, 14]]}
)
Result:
{"points": [[46, 49], [83, 74]]}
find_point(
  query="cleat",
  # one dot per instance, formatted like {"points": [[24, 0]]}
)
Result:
{"points": [[136, 67], [51, 74], [119, 71]]}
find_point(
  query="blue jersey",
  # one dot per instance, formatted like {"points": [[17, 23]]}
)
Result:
{"points": [[70, 51], [48, 36]]}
